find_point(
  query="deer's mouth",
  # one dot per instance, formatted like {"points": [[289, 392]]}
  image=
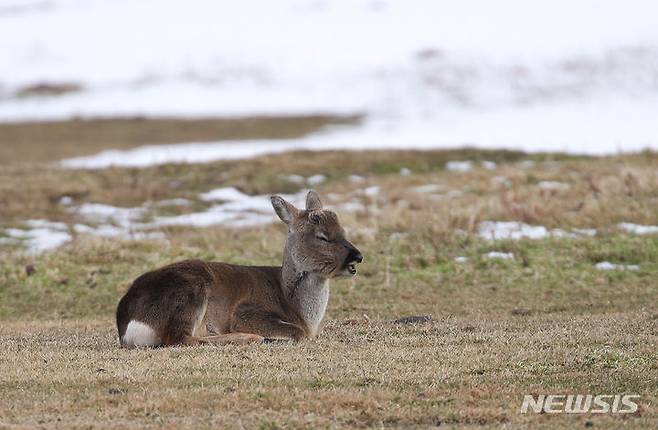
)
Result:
{"points": [[351, 268]]}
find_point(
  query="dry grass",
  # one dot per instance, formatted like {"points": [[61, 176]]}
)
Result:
{"points": [[470, 372], [545, 322], [51, 141]]}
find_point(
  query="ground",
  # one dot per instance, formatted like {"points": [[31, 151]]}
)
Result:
{"points": [[547, 321]]}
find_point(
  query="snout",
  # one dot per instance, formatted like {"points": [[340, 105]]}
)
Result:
{"points": [[354, 257]]}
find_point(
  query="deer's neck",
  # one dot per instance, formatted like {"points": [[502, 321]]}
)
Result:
{"points": [[307, 292]]}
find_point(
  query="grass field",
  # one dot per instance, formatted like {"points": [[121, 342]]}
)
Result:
{"points": [[546, 321]]}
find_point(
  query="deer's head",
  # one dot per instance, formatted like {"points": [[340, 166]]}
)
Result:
{"points": [[316, 242]]}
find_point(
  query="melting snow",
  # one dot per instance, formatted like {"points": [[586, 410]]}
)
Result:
{"points": [[489, 165], [500, 255], [459, 166], [296, 179], [97, 212], [497, 230], [553, 186], [606, 265], [353, 206], [41, 236], [311, 180], [224, 193], [372, 191], [429, 188], [590, 232], [316, 179], [638, 228], [501, 230], [236, 210], [173, 202]]}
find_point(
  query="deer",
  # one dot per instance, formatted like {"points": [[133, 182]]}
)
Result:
{"points": [[196, 302]]}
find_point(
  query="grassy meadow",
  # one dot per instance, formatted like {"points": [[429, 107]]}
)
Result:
{"points": [[546, 321]]}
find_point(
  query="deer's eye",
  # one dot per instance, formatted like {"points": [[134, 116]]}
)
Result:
{"points": [[322, 237]]}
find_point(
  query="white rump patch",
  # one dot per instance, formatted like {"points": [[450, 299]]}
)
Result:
{"points": [[139, 334]]}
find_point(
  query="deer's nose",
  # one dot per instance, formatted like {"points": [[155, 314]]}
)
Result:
{"points": [[355, 255]]}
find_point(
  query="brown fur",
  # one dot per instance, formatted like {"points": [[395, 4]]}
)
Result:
{"points": [[193, 302]]}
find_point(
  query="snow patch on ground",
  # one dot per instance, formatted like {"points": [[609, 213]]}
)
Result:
{"points": [[503, 230], [428, 189], [98, 212], [236, 209], [553, 186], [499, 255], [316, 179], [459, 166], [372, 191], [311, 180], [39, 236], [638, 228], [606, 265]]}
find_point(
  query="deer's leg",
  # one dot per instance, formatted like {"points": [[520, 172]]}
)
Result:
{"points": [[234, 338], [253, 319]]}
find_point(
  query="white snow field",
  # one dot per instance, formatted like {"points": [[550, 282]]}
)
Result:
{"points": [[568, 76]]}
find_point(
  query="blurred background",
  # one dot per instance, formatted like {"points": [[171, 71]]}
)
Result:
{"points": [[556, 76], [88, 85]]}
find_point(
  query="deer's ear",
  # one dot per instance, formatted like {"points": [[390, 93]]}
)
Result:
{"points": [[313, 202], [284, 210]]}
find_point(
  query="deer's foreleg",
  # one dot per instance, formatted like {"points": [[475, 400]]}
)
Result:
{"points": [[253, 319]]}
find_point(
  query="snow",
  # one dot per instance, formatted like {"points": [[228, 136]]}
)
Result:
{"points": [[553, 186], [606, 265], [405, 171], [429, 188], [489, 165], [224, 193], [173, 202], [65, 200], [236, 209], [589, 232], [497, 230], [353, 206], [459, 166], [372, 191], [40, 236], [638, 228], [425, 74], [499, 255], [461, 259], [97, 212], [295, 179], [316, 179], [512, 230]]}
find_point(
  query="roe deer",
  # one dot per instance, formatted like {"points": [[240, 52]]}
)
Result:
{"points": [[193, 302]]}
